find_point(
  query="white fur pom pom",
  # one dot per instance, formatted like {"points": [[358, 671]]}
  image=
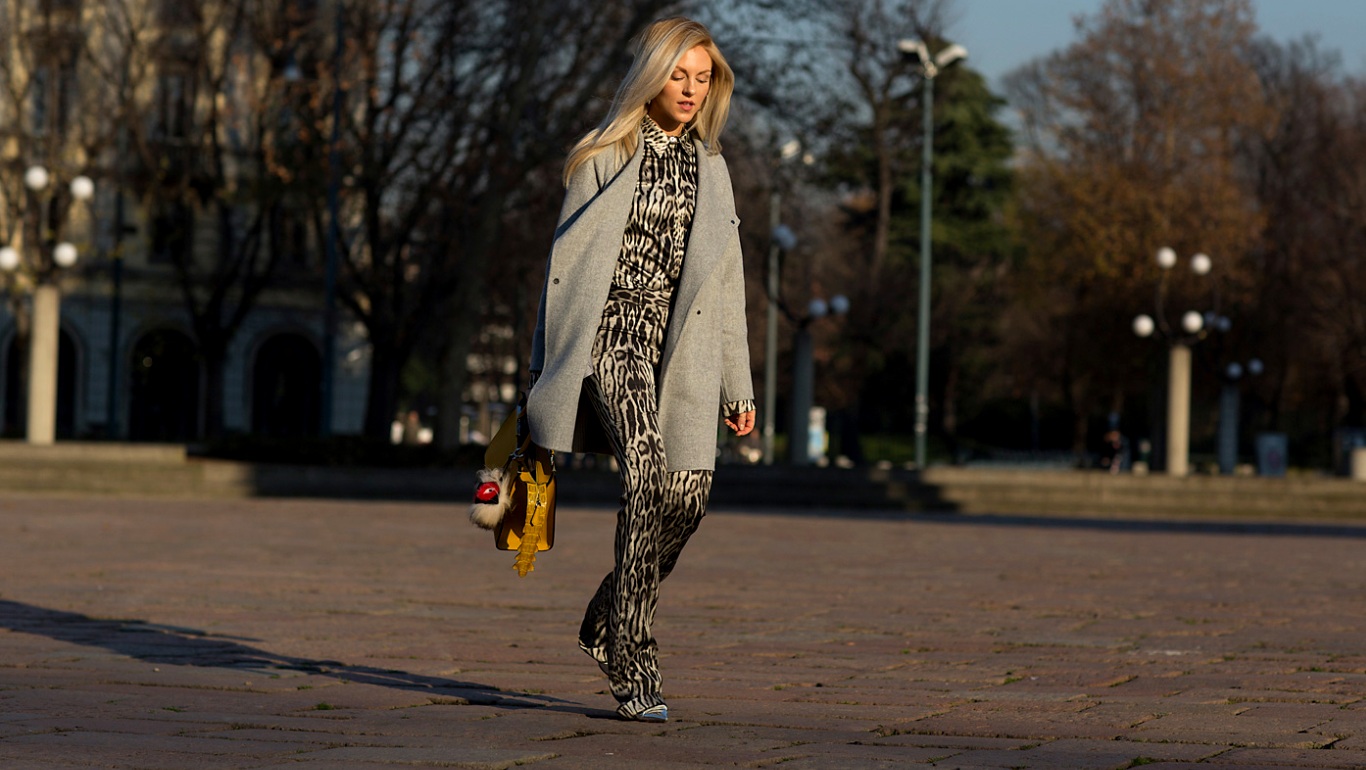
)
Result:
{"points": [[488, 514]]}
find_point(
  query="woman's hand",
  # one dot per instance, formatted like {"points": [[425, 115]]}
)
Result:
{"points": [[742, 423]]}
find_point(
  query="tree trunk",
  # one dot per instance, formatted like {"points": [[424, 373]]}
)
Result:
{"points": [[454, 375], [885, 185], [948, 409], [464, 317], [381, 406], [16, 422], [215, 369]]}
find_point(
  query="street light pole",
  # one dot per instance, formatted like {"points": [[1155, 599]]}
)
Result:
{"points": [[1229, 407], [331, 241], [922, 327], [804, 376], [111, 418], [916, 50], [781, 238], [803, 394], [1194, 327], [44, 342], [1178, 409]]}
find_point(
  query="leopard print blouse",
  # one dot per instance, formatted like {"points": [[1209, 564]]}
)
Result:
{"points": [[653, 245]]}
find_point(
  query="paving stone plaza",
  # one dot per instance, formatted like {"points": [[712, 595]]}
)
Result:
{"points": [[341, 635]]}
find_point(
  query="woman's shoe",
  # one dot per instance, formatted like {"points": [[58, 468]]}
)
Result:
{"points": [[658, 713]]}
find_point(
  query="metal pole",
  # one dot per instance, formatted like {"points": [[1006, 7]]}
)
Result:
{"points": [[922, 351], [771, 334], [111, 411], [1228, 429], [331, 242], [803, 375]]}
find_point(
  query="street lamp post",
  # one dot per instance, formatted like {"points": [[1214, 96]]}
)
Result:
{"points": [[918, 52], [1229, 408], [804, 377], [781, 239], [49, 255], [1194, 327], [331, 241]]}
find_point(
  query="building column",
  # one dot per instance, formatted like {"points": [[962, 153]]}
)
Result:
{"points": [[1178, 410], [42, 369]]}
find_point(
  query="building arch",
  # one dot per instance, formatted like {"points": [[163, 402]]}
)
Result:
{"points": [[285, 384], [70, 375], [165, 378]]}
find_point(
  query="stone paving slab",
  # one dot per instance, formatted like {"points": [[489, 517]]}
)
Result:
{"points": [[1084, 753], [1293, 757], [273, 634]]}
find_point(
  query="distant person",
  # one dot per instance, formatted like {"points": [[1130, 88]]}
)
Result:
{"points": [[412, 428], [1112, 451], [643, 316]]}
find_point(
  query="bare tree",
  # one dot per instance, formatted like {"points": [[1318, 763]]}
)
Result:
{"points": [[1308, 173], [449, 108], [205, 120]]}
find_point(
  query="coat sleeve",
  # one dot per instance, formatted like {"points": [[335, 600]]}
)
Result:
{"points": [[737, 384], [585, 184], [538, 337]]}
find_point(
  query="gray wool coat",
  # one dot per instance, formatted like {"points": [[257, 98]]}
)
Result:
{"points": [[705, 361]]}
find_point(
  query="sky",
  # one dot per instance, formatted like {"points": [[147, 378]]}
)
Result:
{"points": [[1000, 35]]}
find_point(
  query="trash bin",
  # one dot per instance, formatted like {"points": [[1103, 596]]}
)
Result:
{"points": [[1345, 442], [1271, 454], [1359, 464]]}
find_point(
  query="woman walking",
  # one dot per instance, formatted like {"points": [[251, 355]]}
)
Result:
{"points": [[641, 331]]}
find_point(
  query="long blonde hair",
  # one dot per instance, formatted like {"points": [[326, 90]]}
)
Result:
{"points": [[657, 52]]}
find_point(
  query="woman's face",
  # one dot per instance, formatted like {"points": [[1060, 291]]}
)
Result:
{"points": [[678, 103]]}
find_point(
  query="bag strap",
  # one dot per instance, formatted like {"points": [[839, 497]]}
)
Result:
{"points": [[523, 424]]}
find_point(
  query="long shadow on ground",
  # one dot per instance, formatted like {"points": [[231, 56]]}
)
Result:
{"points": [[170, 645]]}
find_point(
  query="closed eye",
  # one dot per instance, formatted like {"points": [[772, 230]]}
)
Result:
{"points": [[704, 78]]}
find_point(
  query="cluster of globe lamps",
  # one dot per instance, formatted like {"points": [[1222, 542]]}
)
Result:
{"points": [[64, 253]]}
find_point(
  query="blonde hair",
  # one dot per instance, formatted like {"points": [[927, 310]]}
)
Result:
{"points": [[657, 52]]}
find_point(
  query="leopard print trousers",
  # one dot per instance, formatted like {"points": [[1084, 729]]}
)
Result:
{"points": [[659, 512]]}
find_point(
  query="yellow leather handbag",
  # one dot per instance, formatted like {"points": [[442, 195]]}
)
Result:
{"points": [[515, 496]]}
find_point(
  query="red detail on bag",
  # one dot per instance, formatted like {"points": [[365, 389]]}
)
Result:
{"points": [[486, 492]]}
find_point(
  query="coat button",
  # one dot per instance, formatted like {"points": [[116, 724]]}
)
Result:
{"points": [[699, 312], [556, 281]]}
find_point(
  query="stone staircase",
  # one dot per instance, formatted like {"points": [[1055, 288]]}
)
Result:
{"points": [[90, 468], [970, 490], [139, 470]]}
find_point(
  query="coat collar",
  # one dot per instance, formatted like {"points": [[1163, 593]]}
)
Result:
{"points": [[714, 221], [654, 137]]}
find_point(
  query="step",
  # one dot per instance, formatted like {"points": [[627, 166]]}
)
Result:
{"points": [[93, 451]]}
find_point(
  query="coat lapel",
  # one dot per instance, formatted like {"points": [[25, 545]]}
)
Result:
{"points": [[599, 210], [713, 222]]}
